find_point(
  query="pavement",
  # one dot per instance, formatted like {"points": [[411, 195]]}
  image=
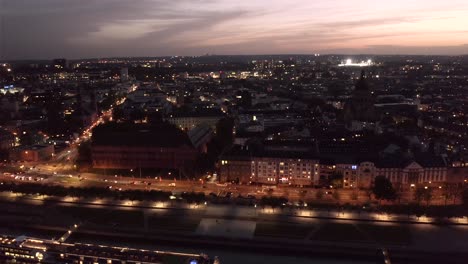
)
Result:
{"points": [[226, 228], [236, 211]]}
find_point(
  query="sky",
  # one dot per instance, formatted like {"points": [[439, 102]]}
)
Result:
{"points": [[45, 29]]}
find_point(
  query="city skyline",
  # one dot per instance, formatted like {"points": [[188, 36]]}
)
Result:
{"points": [[122, 28]]}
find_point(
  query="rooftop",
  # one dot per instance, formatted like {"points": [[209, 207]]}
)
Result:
{"points": [[141, 135]]}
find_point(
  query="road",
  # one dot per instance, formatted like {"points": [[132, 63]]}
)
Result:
{"points": [[64, 174]]}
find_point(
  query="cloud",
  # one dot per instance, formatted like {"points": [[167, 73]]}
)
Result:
{"points": [[372, 22], [404, 50], [100, 28]]}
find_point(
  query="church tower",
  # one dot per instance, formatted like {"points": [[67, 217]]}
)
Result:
{"points": [[360, 107]]}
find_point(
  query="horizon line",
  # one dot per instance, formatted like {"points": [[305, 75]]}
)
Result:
{"points": [[239, 55]]}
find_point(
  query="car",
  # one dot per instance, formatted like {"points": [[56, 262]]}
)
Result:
{"points": [[172, 184]]}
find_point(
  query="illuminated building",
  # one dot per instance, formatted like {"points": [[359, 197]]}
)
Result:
{"points": [[272, 169], [269, 167]]}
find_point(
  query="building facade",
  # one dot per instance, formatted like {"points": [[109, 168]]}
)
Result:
{"points": [[190, 120], [272, 169], [129, 146], [236, 170], [131, 157], [33, 153], [413, 173]]}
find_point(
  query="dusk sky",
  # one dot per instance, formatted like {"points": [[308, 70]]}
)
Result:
{"points": [[44, 29]]}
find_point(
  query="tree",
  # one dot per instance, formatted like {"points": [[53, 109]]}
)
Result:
{"points": [[423, 193], [369, 194], [427, 195], [336, 195], [383, 189], [319, 195], [419, 194], [449, 191], [302, 194], [270, 192], [336, 180], [464, 196]]}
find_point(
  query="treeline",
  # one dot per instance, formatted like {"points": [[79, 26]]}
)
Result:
{"points": [[86, 192], [273, 201]]}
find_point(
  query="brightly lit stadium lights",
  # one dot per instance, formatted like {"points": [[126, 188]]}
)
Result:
{"points": [[350, 63]]}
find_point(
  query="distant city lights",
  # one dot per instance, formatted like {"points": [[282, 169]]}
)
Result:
{"points": [[350, 63]]}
